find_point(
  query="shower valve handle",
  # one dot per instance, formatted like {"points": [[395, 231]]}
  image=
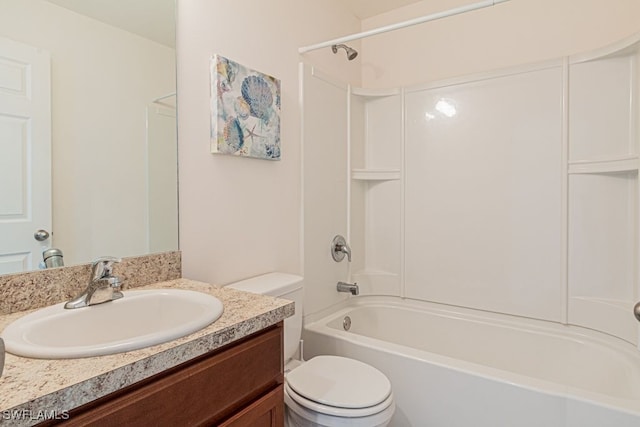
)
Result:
{"points": [[339, 249]]}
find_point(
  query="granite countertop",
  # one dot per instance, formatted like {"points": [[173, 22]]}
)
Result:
{"points": [[31, 387]]}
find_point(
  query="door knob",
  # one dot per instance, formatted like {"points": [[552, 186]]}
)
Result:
{"points": [[41, 235]]}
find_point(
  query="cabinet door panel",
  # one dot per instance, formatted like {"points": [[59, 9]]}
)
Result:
{"points": [[265, 412], [203, 392]]}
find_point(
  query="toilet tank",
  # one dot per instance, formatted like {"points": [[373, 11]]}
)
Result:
{"points": [[285, 286]]}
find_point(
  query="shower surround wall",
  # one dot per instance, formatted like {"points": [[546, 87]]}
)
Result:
{"points": [[514, 191], [483, 193]]}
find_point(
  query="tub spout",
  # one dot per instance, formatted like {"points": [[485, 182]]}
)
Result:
{"points": [[348, 287]]}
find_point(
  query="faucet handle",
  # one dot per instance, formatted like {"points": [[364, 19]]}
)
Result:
{"points": [[340, 248], [103, 266]]}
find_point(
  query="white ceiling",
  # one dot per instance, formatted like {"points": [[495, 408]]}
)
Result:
{"points": [[155, 19], [367, 8]]}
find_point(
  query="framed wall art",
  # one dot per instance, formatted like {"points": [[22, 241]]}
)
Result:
{"points": [[245, 111]]}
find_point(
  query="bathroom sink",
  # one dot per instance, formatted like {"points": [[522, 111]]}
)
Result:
{"points": [[139, 319]]}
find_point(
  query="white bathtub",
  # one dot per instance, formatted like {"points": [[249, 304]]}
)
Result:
{"points": [[452, 367]]}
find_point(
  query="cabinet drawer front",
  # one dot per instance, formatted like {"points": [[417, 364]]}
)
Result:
{"points": [[268, 411], [204, 392]]}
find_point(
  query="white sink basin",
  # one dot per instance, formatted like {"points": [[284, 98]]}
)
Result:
{"points": [[139, 319]]}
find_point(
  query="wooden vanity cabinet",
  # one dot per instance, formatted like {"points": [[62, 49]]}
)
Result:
{"points": [[239, 385]]}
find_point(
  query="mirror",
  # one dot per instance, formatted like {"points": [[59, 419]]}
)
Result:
{"points": [[113, 148]]}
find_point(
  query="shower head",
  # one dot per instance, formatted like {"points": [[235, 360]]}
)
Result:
{"points": [[351, 53]]}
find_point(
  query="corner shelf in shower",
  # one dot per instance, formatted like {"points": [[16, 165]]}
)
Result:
{"points": [[374, 93], [627, 163], [375, 174]]}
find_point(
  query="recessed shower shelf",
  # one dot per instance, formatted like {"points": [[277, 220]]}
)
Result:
{"points": [[374, 93], [375, 174], [620, 164]]}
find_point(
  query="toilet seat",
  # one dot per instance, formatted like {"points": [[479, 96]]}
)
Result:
{"points": [[337, 411], [339, 386]]}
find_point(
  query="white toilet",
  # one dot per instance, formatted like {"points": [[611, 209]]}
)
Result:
{"points": [[329, 391]]}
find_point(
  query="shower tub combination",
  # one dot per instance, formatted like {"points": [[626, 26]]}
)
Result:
{"points": [[454, 367]]}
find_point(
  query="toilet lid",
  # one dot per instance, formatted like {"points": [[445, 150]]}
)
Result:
{"points": [[339, 382]]}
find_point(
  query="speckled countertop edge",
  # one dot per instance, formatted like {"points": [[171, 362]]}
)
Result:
{"points": [[30, 386]]}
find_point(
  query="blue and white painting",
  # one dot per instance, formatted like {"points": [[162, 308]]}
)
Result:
{"points": [[245, 111]]}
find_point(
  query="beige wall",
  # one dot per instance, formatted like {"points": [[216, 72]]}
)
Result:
{"points": [[241, 217], [508, 34]]}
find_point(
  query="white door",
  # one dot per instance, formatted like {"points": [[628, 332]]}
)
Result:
{"points": [[25, 154]]}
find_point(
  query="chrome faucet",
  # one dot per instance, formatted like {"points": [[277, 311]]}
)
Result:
{"points": [[340, 248], [348, 287], [102, 287]]}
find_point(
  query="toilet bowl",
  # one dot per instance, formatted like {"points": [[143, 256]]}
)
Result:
{"points": [[335, 391], [329, 391]]}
